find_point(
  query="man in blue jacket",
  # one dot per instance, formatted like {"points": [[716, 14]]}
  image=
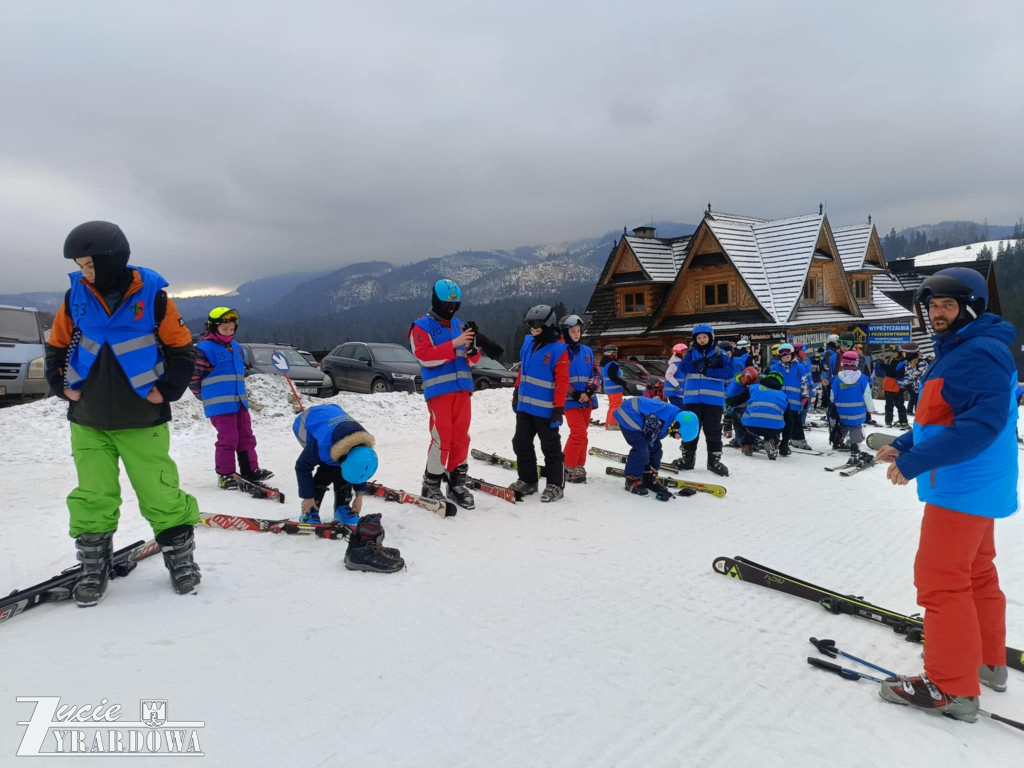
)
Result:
{"points": [[963, 451]]}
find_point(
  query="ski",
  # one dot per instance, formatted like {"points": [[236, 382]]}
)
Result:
{"points": [[621, 458], [912, 627], [500, 461], [501, 491], [258, 490], [330, 530], [850, 471], [878, 440], [674, 482], [437, 506], [597, 423], [59, 587], [851, 674], [806, 451]]}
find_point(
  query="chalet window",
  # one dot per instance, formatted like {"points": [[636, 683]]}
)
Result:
{"points": [[809, 289], [860, 289], [716, 294], [633, 303]]}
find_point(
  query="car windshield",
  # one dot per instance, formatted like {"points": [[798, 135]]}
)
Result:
{"points": [[392, 353], [19, 325], [489, 364], [264, 356], [657, 367], [632, 370]]}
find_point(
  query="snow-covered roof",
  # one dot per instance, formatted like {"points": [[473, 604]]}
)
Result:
{"points": [[736, 235], [881, 307], [852, 243], [657, 256]]}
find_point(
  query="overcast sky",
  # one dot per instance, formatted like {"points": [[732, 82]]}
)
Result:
{"points": [[233, 140]]}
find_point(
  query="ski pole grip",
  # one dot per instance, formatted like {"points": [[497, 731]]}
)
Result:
{"points": [[828, 647], [848, 674]]}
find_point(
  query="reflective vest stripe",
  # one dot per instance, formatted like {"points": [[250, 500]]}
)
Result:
{"points": [[148, 340], [537, 382], [89, 345]]}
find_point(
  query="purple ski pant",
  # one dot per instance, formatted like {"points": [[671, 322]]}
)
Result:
{"points": [[234, 435]]}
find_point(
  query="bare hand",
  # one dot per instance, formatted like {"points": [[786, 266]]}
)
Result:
{"points": [[584, 398], [895, 476], [308, 504], [463, 338], [357, 504], [73, 394], [154, 396], [887, 453]]}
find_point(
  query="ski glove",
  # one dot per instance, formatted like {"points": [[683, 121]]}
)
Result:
{"points": [[716, 361], [515, 400], [556, 418]]}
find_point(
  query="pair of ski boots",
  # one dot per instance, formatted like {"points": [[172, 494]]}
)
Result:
{"points": [[689, 461], [95, 552], [858, 458], [457, 490], [550, 493], [228, 482], [343, 515], [642, 486]]}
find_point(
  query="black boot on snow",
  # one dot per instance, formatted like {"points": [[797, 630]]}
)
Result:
{"points": [[432, 487], [771, 447], [457, 490], [650, 481], [94, 553], [178, 544], [784, 448], [715, 464], [855, 456], [688, 460], [365, 552], [635, 485]]}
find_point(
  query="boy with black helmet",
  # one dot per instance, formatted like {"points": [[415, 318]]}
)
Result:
{"points": [[218, 379], [444, 347], [539, 403], [581, 400], [964, 453], [120, 353]]}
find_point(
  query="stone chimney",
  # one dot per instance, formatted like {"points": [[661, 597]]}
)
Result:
{"points": [[645, 232]]}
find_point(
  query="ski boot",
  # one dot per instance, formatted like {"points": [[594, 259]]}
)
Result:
{"points": [[748, 449], [312, 516], [802, 444], [918, 691], [993, 677], [551, 492], [771, 447], [432, 487], [575, 475], [524, 488], [344, 515], [855, 457], [903, 425], [784, 448], [635, 485], [178, 544], [94, 553], [715, 464], [259, 475], [227, 482], [457, 490], [688, 459], [650, 481], [365, 552]]}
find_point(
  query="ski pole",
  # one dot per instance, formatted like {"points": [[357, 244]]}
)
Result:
{"points": [[852, 674], [828, 647]]}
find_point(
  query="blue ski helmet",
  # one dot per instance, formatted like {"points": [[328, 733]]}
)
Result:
{"points": [[359, 465], [446, 298], [687, 423]]}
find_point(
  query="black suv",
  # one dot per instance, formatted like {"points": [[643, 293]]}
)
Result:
{"points": [[307, 379], [357, 366], [489, 373]]}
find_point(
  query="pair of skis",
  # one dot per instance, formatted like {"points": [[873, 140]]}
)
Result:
{"points": [[672, 482], [621, 457], [847, 470], [911, 627], [258, 490], [330, 530], [59, 587]]}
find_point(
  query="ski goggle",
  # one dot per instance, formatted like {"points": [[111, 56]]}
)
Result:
{"points": [[535, 323]]}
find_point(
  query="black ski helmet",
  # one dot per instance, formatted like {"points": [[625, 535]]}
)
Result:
{"points": [[105, 244], [445, 298], [965, 285], [540, 316], [610, 350]]}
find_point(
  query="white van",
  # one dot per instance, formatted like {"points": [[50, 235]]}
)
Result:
{"points": [[22, 355]]}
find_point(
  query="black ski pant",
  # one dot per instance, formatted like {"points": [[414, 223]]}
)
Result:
{"points": [[326, 476], [894, 399], [740, 432], [793, 429], [765, 432], [710, 417], [528, 427], [911, 401], [826, 394]]}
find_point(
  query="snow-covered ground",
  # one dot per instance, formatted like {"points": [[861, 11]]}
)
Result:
{"points": [[589, 632]]}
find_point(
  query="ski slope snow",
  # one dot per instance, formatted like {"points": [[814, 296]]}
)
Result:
{"points": [[587, 632]]}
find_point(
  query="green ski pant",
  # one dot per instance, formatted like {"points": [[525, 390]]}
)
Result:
{"points": [[95, 505]]}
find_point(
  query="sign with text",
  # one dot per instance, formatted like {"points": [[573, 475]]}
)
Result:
{"points": [[810, 338], [888, 333]]}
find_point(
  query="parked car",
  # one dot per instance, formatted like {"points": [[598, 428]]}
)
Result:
{"points": [[22, 356], [635, 376], [309, 358], [307, 379], [489, 373], [357, 366]]}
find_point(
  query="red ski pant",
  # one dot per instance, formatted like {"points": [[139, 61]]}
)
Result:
{"points": [[575, 451], [450, 415], [957, 585], [614, 401], [234, 435]]}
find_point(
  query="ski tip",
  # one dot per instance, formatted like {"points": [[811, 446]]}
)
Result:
{"points": [[720, 564], [450, 510]]}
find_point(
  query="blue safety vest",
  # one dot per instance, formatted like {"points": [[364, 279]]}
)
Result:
{"points": [[609, 386], [766, 408], [792, 381], [537, 377], [223, 389], [581, 369], [130, 332], [849, 400], [634, 410], [319, 424], [452, 375], [701, 388]]}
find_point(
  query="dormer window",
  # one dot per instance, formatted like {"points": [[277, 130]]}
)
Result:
{"points": [[634, 303], [861, 288], [809, 289], [716, 294]]}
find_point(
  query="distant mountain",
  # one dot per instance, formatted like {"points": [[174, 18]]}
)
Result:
{"points": [[966, 231]]}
